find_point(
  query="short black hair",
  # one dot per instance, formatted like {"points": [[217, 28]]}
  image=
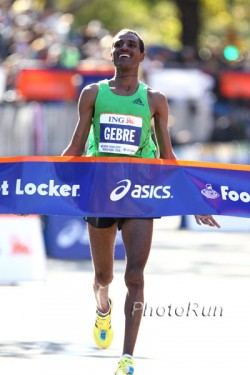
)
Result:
{"points": [[141, 42]]}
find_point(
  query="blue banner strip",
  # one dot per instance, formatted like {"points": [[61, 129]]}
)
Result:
{"points": [[122, 187]]}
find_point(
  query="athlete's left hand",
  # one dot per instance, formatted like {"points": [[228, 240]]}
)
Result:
{"points": [[206, 220]]}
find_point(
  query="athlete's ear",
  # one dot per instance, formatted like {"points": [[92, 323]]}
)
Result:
{"points": [[142, 56], [112, 52]]}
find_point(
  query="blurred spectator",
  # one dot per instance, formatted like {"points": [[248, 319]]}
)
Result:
{"points": [[70, 56], [95, 39]]}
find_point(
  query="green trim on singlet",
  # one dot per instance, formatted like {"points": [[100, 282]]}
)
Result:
{"points": [[134, 105]]}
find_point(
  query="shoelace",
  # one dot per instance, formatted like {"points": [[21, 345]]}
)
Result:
{"points": [[127, 365], [103, 322]]}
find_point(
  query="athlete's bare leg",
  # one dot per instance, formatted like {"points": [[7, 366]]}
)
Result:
{"points": [[102, 242], [137, 237]]}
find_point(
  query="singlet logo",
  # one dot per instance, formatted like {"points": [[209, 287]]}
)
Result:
{"points": [[138, 101]]}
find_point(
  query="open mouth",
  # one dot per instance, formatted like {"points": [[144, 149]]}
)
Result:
{"points": [[124, 55]]}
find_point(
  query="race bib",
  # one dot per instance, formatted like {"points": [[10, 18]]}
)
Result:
{"points": [[120, 134]]}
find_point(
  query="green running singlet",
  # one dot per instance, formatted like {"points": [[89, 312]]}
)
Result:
{"points": [[121, 125]]}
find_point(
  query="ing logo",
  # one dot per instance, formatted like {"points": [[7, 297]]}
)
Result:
{"points": [[130, 121]]}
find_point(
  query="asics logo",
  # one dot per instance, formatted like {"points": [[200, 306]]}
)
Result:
{"points": [[140, 191], [71, 233], [119, 192]]}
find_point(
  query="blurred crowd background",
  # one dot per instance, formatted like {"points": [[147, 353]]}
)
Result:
{"points": [[50, 50]]}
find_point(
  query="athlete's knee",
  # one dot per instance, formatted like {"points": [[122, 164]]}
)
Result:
{"points": [[103, 279], [134, 277]]}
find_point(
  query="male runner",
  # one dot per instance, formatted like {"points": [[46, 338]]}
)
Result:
{"points": [[125, 96]]}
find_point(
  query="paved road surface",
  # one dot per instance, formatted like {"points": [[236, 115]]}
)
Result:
{"points": [[196, 317]]}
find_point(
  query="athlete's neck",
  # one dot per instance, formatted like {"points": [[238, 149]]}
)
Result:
{"points": [[120, 76], [125, 82]]}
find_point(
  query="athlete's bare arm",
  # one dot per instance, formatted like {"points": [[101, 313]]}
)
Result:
{"points": [[85, 112], [159, 108]]}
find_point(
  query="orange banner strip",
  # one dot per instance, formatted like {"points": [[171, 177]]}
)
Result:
{"points": [[84, 159]]}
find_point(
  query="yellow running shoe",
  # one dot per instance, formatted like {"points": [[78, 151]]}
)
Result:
{"points": [[125, 366], [103, 332]]}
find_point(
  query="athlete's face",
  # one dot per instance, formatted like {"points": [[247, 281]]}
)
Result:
{"points": [[126, 50]]}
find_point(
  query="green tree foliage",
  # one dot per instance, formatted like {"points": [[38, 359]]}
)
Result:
{"points": [[160, 21], [225, 22], [157, 21]]}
